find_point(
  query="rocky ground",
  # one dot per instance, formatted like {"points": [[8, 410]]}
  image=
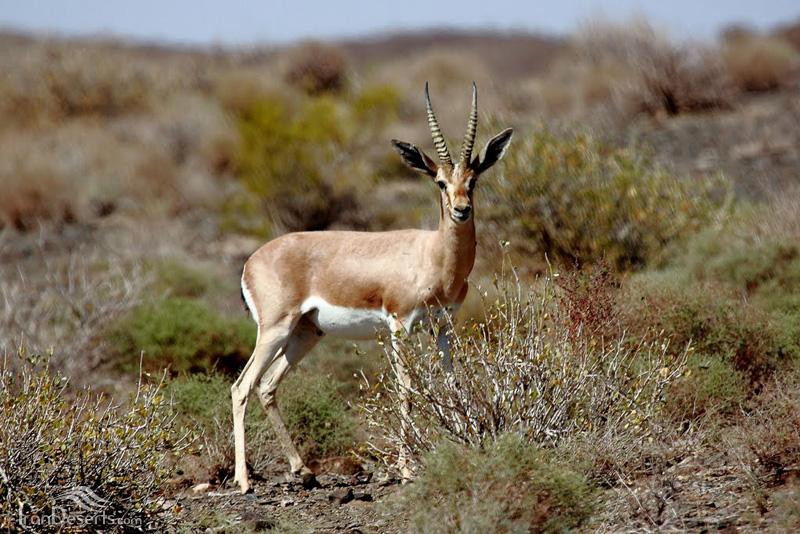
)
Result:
{"points": [[352, 503]]}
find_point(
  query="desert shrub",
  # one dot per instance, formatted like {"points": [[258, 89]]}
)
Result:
{"points": [[507, 486], [719, 325], [772, 430], [75, 81], [376, 106], [521, 370], [758, 62], [317, 68], [658, 76], [183, 335], [578, 199], [316, 415], [764, 271], [68, 304], [590, 301], [180, 280], [55, 443], [712, 387], [287, 161]]}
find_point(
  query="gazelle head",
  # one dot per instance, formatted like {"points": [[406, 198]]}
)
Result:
{"points": [[456, 181]]}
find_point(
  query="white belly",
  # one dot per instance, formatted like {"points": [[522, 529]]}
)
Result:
{"points": [[349, 323]]}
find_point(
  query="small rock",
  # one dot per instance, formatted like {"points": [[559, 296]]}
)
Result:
{"points": [[362, 496], [257, 522], [341, 495], [202, 488]]}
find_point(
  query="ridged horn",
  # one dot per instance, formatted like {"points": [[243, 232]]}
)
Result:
{"points": [[436, 133], [472, 129]]}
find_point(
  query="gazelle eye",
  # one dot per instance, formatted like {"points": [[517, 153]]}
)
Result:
{"points": [[441, 185], [471, 184]]}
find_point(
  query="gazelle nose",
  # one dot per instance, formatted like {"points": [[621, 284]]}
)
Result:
{"points": [[462, 213]]}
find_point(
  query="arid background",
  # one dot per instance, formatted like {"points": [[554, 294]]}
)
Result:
{"points": [[629, 356]]}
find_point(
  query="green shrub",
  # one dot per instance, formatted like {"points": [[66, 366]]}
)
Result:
{"points": [[55, 442], [578, 199], [375, 106], [180, 280], [316, 415], [182, 334], [508, 486], [287, 161], [719, 325], [712, 387]]}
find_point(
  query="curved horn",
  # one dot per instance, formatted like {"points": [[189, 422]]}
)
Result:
{"points": [[472, 129], [436, 133]]}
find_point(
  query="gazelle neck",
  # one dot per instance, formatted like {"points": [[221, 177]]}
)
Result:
{"points": [[456, 244]]}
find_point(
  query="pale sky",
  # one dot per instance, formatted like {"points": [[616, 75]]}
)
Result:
{"points": [[249, 22]]}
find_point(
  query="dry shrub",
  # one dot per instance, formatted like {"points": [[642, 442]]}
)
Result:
{"points": [[67, 306], [521, 371], [590, 301], [759, 62], [654, 75], [772, 430], [316, 68], [51, 447], [790, 33], [75, 81]]}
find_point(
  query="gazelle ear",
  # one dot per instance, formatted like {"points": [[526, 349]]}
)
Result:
{"points": [[415, 158], [492, 152]]}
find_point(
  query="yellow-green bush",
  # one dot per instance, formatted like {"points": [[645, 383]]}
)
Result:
{"points": [[55, 442], [578, 199], [288, 161]]}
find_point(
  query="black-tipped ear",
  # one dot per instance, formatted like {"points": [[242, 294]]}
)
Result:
{"points": [[414, 157], [493, 151]]}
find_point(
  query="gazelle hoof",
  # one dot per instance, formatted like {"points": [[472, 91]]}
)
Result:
{"points": [[309, 480], [244, 486]]}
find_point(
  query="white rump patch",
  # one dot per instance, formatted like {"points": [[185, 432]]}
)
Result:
{"points": [[248, 299], [348, 323]]}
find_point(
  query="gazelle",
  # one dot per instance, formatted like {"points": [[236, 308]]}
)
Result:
{"points": [[304, 285]]}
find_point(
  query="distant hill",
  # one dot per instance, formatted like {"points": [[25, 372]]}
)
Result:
{"points": [[508, 55]]}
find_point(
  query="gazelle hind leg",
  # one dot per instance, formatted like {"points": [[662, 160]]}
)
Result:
{"points": [[269, 343], [303, 338]]}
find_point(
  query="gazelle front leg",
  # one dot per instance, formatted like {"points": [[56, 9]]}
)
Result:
{"points": [[405, 404], [443, 342]]}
